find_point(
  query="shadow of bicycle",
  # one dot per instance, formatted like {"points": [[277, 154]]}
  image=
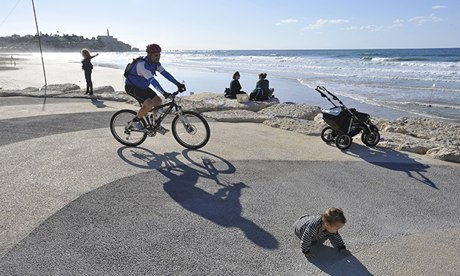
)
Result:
{"points": [[197, 184]]}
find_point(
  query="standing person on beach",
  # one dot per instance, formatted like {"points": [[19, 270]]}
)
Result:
{"points": [[235, 87], [87, 66], [141, 84], [314, 229]]}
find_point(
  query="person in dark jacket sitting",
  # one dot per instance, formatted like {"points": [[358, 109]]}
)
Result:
{"points": [[262, 91], [235, 87]]}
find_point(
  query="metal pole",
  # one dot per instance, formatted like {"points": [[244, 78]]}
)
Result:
{"points": [[41, 52]]}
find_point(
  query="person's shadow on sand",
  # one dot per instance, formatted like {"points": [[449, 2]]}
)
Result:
{"points": [[222, 207], [331, 262], [392, 160]]}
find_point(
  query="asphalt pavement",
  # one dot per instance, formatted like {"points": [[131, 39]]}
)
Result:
{"points": [[76, 202]]}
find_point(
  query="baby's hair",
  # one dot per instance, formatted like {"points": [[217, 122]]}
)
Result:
{"points": [[263, 75], [334, 215], [236, 74]]}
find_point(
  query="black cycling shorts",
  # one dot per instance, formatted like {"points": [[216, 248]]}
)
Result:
{"points": [[140, 94]]}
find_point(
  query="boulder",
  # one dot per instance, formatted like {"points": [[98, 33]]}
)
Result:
{"points": [[436, 138], [425, 128], [307, 127], [289, 110], [103, 89], [64, 87], [30, 89], [451, 154], [236, 115], [204, 102]]}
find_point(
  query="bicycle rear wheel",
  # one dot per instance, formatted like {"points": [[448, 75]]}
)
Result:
{"points": [[191, 130], [120, 126]]}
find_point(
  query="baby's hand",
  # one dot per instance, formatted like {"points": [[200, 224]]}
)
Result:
{"points": [[345, 252]]}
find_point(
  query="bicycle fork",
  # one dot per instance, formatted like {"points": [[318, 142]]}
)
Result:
{"points": [[188, 127]]}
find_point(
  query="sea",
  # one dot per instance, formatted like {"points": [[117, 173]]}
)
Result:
{"points": [[388, 83]]}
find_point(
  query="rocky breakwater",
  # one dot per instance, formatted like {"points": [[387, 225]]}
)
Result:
{"points": [[435, 138], [288, 116], [69, 90]]}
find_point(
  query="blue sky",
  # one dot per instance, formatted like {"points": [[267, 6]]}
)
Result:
{"points": [[246, 24]]}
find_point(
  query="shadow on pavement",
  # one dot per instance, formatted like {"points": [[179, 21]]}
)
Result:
{"points": [[186, 186], [97, 103], [330, 261], [392, 160]]}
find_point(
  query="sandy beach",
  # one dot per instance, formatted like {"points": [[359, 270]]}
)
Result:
{"points": [[28, 72]]}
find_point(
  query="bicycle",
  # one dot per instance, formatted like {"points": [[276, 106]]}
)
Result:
{"points": [[189, 128]]}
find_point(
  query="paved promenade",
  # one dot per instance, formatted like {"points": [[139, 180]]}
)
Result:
{"points": [[73, 201]]}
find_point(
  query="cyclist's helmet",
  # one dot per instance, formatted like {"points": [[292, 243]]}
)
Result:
{"points": [[153, 48]]}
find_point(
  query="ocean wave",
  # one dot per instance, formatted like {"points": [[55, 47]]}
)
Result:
{"points": [[431, 104]]}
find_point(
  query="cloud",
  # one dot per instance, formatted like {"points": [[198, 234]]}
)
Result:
{"points": [[372, 28], [287, 21], [438, 7], [397, 24], [420, 20], [321, 22]]}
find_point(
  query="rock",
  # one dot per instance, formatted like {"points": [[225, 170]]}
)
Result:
{"points": [[236, 115], [120, 96], [297, 111], [103, 89], [425, 128], [30, 89], [64, 87], [307, 127], [451, 154], [204, 102], [436, 138]]}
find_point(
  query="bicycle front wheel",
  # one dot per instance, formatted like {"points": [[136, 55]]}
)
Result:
{"points": [[191, 130], [122, 131]]}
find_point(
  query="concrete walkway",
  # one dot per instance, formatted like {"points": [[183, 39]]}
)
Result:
{"points": [[74, 201]]}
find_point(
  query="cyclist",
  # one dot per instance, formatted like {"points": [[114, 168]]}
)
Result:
{"points": [[141, 84]]}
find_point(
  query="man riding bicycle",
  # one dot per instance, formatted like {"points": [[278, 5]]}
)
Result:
{"points": [[141, 84]]}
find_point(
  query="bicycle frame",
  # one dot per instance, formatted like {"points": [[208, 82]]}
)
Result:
{"points": [[151, 126]]}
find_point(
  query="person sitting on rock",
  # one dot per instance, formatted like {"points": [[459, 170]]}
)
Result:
{"points": [[262, 92], [314, 229], [235, 87]]}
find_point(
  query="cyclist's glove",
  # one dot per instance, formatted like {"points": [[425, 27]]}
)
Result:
{"points": [[167, 95], [181, 87]]}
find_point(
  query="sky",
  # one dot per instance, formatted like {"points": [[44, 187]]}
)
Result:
{"points": [[245, 24]]}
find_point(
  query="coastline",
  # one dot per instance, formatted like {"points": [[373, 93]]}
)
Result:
{"points": [[400, 130], [66, 68]]}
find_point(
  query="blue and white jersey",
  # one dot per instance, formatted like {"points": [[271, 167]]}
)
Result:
{"points": [[143, 75]]}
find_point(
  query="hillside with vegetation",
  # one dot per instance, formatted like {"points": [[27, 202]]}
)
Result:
{"points": [[62, 43]]}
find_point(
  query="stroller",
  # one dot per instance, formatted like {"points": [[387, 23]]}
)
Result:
{"points": [[344, 123]]}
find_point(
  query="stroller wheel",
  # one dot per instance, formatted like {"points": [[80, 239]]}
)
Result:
{"points": [[370, 139], [343, 141], [328, 134]]}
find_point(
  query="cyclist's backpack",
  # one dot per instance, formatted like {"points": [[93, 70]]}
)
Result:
{"points": [[130, 66]]}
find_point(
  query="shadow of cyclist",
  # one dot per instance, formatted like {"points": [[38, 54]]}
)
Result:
{"points": [[392, 160], [199, 188]]}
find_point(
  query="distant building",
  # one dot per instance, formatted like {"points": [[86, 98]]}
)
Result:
{"points": [[112, 44]]}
